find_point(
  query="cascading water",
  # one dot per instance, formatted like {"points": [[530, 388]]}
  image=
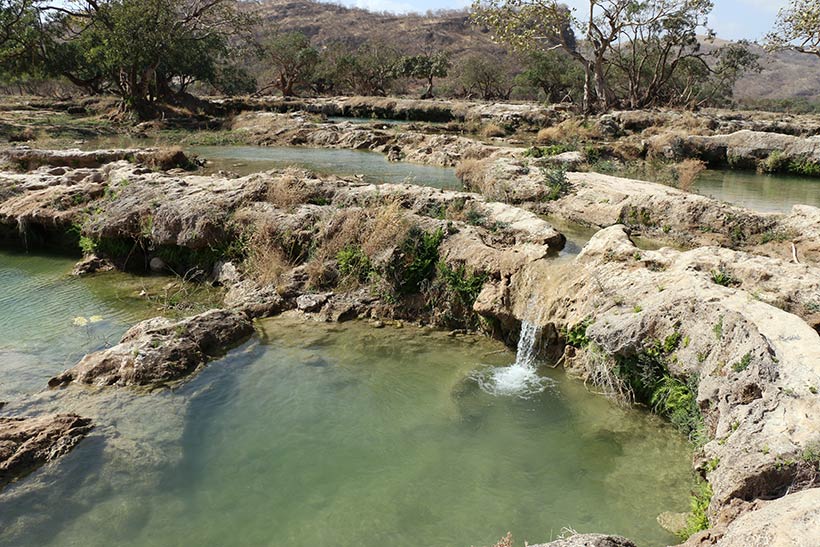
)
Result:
{"points": [[521, 378]]}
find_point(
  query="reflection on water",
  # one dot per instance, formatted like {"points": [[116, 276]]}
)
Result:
{"points": [[329, 434], [371, 166], [764, 193]]}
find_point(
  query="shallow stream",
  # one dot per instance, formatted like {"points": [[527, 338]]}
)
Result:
{"points": [[317, 434]]}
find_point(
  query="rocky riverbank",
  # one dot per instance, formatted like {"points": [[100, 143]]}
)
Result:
{"points": [[722, 339]]}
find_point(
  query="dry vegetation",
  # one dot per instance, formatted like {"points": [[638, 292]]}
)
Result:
{"points": [[568, 131], [686, 173]]}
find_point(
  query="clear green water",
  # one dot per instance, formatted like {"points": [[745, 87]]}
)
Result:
{"points": [[320, 434], [371, 166], [39, 301], [764, 193]]}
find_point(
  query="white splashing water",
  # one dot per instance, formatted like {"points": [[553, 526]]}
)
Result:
{"points": [[521, 378]]}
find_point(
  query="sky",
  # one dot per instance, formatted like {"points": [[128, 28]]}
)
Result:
{"points": [[731, 19]]}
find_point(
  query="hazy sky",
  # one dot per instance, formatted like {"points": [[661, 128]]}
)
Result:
{"points": [[732, 19]]}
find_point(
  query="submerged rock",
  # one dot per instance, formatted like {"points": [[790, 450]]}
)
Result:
{"points": [[28, 443], [160, 350]]}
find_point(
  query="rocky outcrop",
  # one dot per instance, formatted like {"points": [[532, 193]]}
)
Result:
{"points": [[28, 443], [790, 521], [159, 350], [31, 158], [447, 150], [589, 540], [746, 149], [649, 320], [393, 108], [653, 210]]}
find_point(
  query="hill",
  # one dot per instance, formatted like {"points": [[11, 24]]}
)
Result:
{"points": [[785, 75]]}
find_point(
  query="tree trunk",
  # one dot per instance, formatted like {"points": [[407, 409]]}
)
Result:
{"points": [[428, 94]]}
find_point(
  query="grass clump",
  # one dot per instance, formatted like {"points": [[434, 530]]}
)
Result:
{"points": [[686, 173], [743, 364], [723, 278], [547, 151], [354, 263]]}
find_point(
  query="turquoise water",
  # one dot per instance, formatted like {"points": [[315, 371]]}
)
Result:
{"points": [[371, 166], [318, 434]]}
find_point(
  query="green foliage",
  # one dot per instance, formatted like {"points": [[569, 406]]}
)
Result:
{"points": [[87, 245], [576, 336], [557, 183], [718, 328], [416, 260], [424, 67], [547, 151], [743, 364], [294, 60], [484, 78], [647, 375], [723, 278], [467, 285], [555, 74], [698, 519], [354, 263]]}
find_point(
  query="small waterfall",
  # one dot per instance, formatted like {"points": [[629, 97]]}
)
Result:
{"points": [[521, 378]]}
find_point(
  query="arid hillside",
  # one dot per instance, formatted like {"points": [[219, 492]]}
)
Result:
{"points": [[784, 75]]}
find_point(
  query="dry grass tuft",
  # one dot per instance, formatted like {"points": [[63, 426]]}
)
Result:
{"points": [[386, 229], [266, 260], [287, 191], [493, 130], [687, 173], [469, 170], [568, 131]]}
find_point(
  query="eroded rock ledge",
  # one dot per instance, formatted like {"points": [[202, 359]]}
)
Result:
{"points": [[655, 210], [28, 443], [159, 351], [653, 323]]}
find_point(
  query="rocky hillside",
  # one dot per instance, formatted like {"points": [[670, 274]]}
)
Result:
{"points": [[784, 75]]}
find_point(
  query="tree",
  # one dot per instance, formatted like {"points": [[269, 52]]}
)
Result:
{"points": [[369, 70], [797, 28], [555, 74], [645, 41], [425, 67], [294, 60], [484, 78], [19, 22], [145, 51]]}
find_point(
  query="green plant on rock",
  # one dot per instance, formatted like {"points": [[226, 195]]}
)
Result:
{"points": [[743, 364], [416, 260], [547, 151], [723, 278], [650, 382], [698, 518], [576, 335], [557, 183], [87, 245], [467, 285], [354, 263]]}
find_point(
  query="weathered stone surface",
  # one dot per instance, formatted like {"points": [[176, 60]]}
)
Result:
{"points": [[160, 350], [790, 521], [758, 366], [296, 130], [589, 540], [28, 443], [31, 158], [92, 264]]}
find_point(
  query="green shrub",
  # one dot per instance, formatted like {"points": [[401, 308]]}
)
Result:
{"points": [[698, 519], [743, 364], [576, 336], [557, 183], [416, 260], [87, 245], [467, 285], [354, 263], [547, 151]]}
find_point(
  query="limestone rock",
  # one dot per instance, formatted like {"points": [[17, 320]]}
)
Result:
{"points": [[159, 350]]}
